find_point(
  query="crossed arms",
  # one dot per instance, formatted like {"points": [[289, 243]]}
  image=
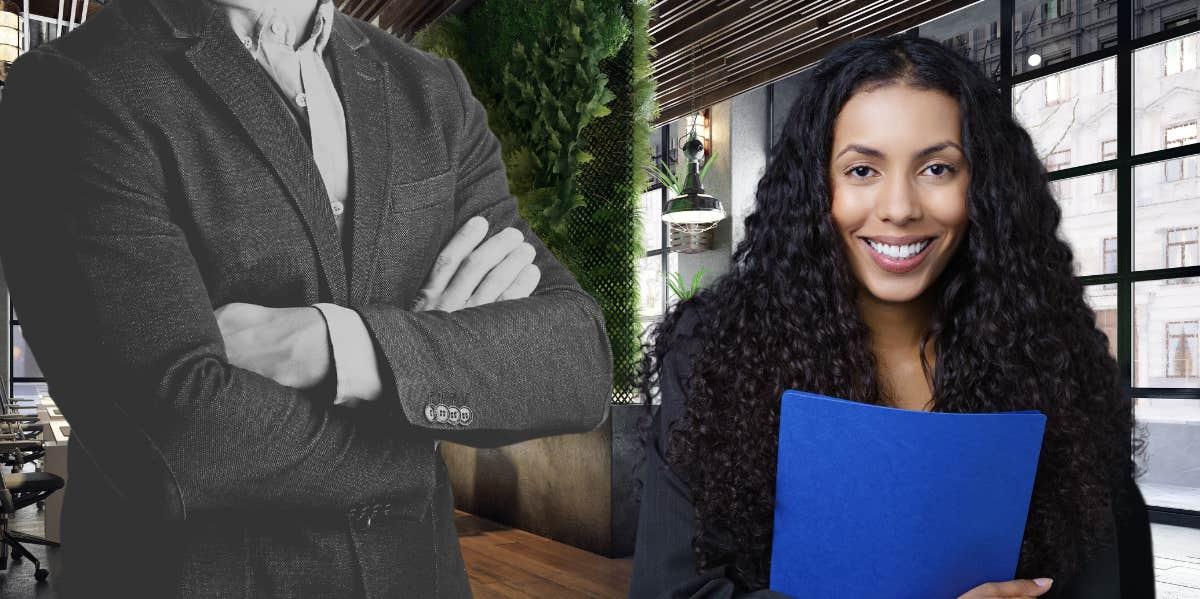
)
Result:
{"points": [[115, 307]]}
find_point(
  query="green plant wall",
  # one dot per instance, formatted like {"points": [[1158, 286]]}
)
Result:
{"points": [[568, 92]]}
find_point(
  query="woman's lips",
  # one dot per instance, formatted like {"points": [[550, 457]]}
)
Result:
{"points": [[898, 265]]}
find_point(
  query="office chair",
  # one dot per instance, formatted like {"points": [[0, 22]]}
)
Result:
{"points": [[19, 490]]}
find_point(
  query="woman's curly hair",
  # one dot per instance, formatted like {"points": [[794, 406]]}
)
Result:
{"points": [[1011, 328]]}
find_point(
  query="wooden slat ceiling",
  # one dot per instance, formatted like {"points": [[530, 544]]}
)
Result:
{"points": [[402, 17], [738, 45]]}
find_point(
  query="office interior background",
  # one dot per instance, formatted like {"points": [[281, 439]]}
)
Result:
{"points": [[1108, 89]]}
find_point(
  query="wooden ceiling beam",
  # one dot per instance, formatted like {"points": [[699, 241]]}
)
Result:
{"points": [[773, 40]]}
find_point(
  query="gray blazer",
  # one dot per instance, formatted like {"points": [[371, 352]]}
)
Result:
{"points": [[150, 174]]}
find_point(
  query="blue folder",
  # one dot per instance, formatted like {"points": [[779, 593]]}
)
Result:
{"points": [[881, 502]]}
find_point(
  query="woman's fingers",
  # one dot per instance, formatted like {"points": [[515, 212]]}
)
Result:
{"points": [[1011, 589]]}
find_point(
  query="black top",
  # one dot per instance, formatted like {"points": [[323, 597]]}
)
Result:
{"points": [[665, 566]]}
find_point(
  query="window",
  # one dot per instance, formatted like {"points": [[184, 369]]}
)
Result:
{"points": [[1109, 265], [994, 32], [1108, 75], [1058, 88], [1110, 255], [1054, 9], [1058, 160], [1182, 247], [1182, 354], [1179, 135], [1108, 179], [1179, 21], [1180, 54]]}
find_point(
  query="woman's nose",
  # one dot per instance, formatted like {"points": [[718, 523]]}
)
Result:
{"points": [[898, 202]]}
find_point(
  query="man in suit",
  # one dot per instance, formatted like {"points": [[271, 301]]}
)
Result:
{"points": [[158, 165]]}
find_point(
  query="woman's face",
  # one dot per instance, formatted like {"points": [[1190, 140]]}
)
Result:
{"points": [[899, 176]]}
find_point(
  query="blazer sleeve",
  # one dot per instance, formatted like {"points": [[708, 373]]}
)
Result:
{"points": [[664, 565], [521, 368], [115, 308]]}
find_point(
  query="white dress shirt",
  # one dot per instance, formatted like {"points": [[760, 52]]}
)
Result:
{"points": [[300, 69]]}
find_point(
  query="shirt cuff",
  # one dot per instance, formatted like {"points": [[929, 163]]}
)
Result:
{"points": [[353, 355]]}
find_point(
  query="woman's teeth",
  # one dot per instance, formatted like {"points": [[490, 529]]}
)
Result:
{"points": [[899, 251]]}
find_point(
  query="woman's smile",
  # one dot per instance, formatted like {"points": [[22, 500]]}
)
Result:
{"points": [[898, 255]]}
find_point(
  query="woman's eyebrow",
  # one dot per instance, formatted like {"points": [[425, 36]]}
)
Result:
{"points": [[861, 149]]}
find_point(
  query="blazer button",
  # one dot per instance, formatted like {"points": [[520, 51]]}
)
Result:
{"points": [[430, 412], [453, 415], [338, 207], [443, 413], [464, 415]]}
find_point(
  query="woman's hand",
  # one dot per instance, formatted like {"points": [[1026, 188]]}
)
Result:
{"points": [[1021, 589]]}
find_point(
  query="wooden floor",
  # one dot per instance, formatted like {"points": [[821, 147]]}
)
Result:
{"points": [[509, 562]]}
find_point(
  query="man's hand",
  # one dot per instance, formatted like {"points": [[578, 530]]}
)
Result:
{"points": [[1024, 589], [468, 273], [287, 345]]}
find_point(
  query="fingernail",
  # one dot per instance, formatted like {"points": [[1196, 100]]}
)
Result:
{"points": [[1043, 582]]}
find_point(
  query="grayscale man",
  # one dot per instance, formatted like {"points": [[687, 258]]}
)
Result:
{"points": [[266, 256]]}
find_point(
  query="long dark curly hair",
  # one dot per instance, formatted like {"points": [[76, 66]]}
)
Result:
{"points": [[1011, 328]]}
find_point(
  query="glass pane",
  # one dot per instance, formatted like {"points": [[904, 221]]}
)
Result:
{"points": [[1070, 115], [1089, 222], [30, 390], [22, 359], [1153, 16], [1165, 109], [1166, 333], [1103, 300], [1166, 213], [652, 219], [1050, 31], [974, 31], [1171, 428], [650, 287]]}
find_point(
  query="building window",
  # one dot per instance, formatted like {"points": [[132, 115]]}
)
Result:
{"points": [[1180, 135], [1108, 179], [1182, 247], [1182, 355], [1109, 257], [1108, 75], [1058, 160], [994, 33], [1054, 9], [1178, 21], [1180, 54], [1058, 88]]}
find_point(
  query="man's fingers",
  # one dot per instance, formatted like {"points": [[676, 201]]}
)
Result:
{"points": [[526, 282], [502, 276], [451, 256], [473, 268]]}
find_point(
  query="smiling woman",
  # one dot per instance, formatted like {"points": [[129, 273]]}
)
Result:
{"points": [[904, 250]]}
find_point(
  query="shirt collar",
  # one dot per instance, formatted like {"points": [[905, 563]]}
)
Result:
{"points": [[261, 20]]}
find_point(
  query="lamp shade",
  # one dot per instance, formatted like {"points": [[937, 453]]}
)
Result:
{"points": [[693, 206], [10, 36]]}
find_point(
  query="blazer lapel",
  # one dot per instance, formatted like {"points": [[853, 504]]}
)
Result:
{"points": [[239, 82], [368, 100]]}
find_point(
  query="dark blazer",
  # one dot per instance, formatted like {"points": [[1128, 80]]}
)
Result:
{"points": [[151, 174], [664, 565]]}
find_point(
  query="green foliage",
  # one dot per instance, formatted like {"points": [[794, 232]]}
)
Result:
{"points": [[568, 92], [673, 181], [675, 283]]}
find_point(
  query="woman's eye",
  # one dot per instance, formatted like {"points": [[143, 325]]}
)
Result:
{"points": [[861, 171], [945, 169]]}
